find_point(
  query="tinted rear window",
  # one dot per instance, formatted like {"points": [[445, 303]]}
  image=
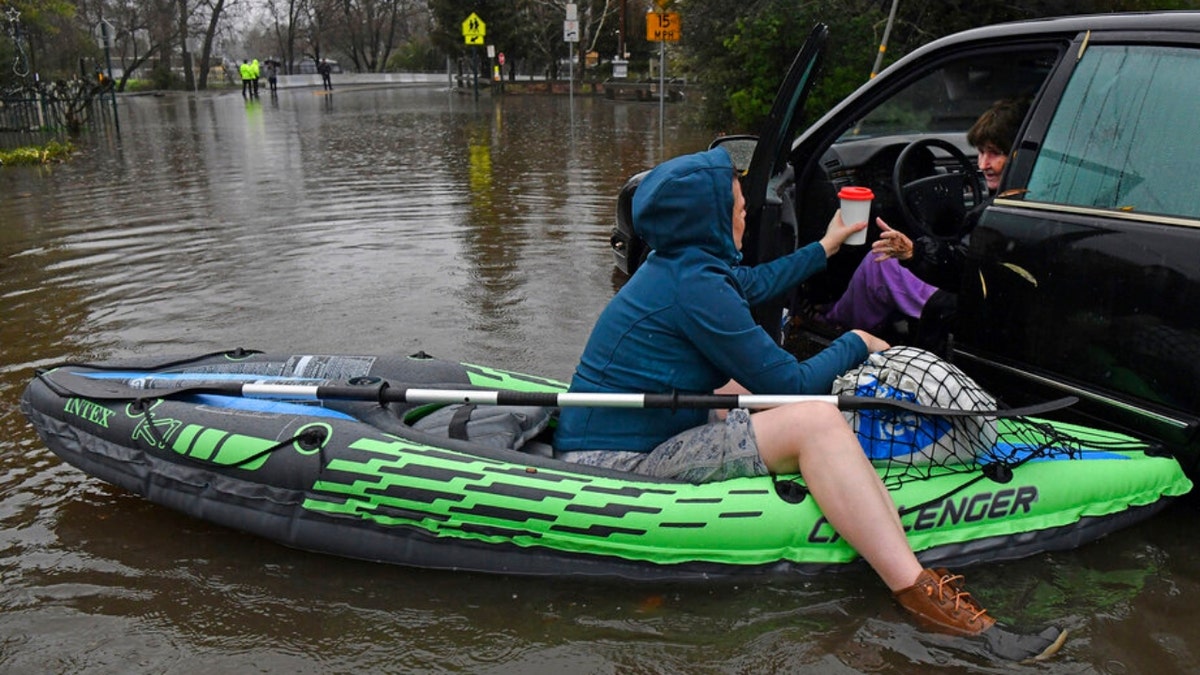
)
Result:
{"points": [[1126, 135]]}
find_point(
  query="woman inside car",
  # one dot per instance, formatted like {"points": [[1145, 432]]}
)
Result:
{"points": [[920, 278]]}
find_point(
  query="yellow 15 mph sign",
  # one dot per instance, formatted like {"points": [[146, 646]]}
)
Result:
{"points": [[663, 27]]}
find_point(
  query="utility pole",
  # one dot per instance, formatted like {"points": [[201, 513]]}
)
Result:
{"points": [[887, 32], [621, 31]]}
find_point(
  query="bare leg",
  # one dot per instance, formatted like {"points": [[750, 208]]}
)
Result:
{"points": [[814, 439]]}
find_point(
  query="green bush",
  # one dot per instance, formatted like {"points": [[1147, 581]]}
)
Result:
{"points": [[54, 151]]}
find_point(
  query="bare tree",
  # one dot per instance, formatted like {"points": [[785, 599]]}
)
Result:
{"points": [[287, 17], [321, 19], [185, 56], [369, 28], [143, 31], [593, 15], [214, 9], [544, 35], [547, 16]]}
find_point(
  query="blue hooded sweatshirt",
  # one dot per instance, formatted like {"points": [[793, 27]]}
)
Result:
{"points": [[683, 324]]}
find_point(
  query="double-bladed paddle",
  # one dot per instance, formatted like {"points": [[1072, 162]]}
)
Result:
{"points": [[150, 385]]}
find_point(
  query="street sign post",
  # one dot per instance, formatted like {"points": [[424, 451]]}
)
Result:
{"points": [[106, 32], [474, 30], [571, 36], [662, 27]]}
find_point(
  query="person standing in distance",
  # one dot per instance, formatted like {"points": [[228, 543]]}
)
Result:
{"points": [[324, 70]]}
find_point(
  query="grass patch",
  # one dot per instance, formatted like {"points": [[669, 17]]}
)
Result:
{"points": [[54, 151]]}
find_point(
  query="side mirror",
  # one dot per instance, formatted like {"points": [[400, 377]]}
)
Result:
{"points": [[740, 147]]}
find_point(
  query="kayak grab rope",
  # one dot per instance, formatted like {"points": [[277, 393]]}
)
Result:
{"points": [[235, 354], [311, 438]]}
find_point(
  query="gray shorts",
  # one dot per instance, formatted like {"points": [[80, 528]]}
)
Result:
{"points": [[716, 451]]}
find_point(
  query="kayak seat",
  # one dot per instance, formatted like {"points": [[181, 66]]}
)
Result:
{"points": [[499, 427]]}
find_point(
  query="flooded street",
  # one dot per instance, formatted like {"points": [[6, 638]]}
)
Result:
{"points": [[391, 221]]}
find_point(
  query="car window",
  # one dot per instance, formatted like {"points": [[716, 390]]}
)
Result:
{"points": [[1125, 134], [950, 98], [942, 97]]}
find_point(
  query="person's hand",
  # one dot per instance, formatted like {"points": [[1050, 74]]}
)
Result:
{"points": [[891, 244], [837, 232], [873, 343]]}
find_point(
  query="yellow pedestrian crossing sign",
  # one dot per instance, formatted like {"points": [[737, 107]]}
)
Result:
{"points": [[474, 29]]}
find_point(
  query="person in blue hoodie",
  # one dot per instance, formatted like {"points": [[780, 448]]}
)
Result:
{"points": [[683, 324]]}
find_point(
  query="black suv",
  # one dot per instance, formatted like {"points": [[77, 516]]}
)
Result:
{"points": [[1083, 271]]}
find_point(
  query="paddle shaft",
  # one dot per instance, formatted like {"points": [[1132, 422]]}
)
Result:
{"points": [[100, 386], [525, 398], [385, 394]]}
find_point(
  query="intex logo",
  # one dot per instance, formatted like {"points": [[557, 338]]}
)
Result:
{"points": [[92, 412]]}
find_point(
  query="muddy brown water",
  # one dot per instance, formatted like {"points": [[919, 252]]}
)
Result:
{"points": [[393, 220]]}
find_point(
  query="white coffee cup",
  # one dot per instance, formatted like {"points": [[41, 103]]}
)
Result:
{"points": [[856, 208]]}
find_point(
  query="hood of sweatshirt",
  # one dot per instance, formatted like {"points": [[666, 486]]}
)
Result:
{"points": [[686, 204]]}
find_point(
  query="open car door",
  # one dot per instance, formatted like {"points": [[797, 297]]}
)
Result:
{"points": [[770, 219]]}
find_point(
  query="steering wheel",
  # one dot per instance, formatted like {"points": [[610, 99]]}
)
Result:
{"points": [[934, 205]]}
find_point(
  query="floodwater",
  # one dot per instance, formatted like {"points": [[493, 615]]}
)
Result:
{"points": [[397, 220]]}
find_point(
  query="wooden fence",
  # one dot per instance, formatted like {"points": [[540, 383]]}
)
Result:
{"points": [[34, 115]]}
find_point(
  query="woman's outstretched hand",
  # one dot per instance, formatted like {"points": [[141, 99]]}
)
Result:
{"points": [[891, 244]]}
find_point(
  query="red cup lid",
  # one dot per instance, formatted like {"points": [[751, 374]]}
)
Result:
{"points": [[856, 193]]}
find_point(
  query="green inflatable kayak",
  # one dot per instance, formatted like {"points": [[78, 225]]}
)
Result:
{"points": [[475, 486]]}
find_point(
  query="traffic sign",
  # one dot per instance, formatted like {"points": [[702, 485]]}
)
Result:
{"points": [[663, 27], [570, 31], [105, 32], [474, 29]]}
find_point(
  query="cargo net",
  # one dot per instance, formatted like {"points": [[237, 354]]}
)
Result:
{"points": [[908, 446]]}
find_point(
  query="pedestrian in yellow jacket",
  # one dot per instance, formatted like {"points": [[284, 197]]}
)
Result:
{"points": [[247, 73]]}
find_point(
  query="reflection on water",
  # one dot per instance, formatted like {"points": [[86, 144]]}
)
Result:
{"points": [[370, 221], [393, 220]]}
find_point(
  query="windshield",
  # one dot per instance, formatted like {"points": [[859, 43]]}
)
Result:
{"points": [[950, 98]]}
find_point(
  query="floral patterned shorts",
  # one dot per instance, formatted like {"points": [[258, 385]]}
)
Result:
{"points": [[716, 451]]}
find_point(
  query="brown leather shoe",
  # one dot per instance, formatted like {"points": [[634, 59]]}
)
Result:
{"points": [[939, 603]]}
